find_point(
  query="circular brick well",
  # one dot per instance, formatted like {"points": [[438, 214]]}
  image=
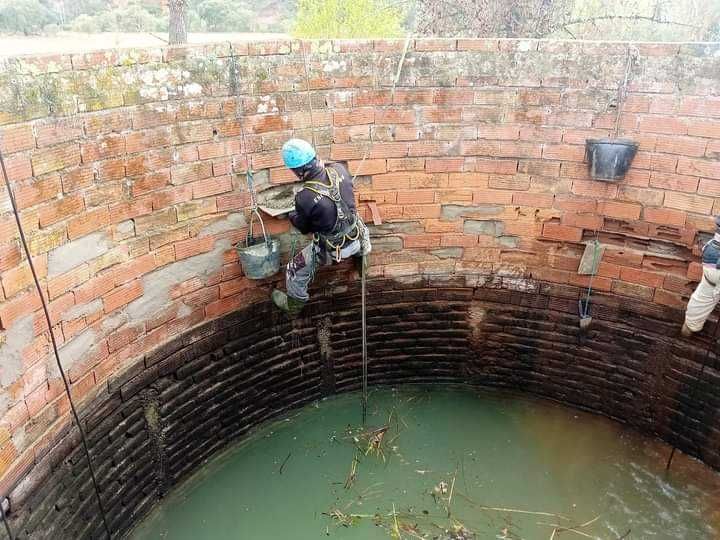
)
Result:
{"points": [[195, 395]]}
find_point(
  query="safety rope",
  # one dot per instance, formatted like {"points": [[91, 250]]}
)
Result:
{"points": [[584, 307], [53, 341], [364, 344], [8, 530], [698, 378], [401, 63], [308, 94], [632, 54]]}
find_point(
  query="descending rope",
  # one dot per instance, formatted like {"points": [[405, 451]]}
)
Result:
{"points": [[585, 306], [4, 518], [308, 94], [43, 303], [364, 345]]}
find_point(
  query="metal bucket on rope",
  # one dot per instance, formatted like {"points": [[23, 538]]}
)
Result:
{"points": [[259, 257]]}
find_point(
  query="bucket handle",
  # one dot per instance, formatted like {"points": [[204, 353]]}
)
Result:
{"points": [[254, 212]]}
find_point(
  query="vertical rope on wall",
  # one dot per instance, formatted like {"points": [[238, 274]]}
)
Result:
{"points": [[53, 341], [4, 518]]}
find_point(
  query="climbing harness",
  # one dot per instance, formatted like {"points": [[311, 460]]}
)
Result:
{"points": [[346, 228], [56, 353]]}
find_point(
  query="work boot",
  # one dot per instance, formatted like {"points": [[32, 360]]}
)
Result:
{"points": [[685, 331], [288, 304]]}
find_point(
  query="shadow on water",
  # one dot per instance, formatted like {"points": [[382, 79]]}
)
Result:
{"points": [[445, 463]]}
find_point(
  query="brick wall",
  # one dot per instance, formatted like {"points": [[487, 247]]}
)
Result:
{"points": [[128, 170], [199, 392]]}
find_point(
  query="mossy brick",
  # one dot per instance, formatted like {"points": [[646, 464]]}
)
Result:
{"points": [[55, 158]]}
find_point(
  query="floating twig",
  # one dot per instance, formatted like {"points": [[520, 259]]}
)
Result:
{"points": [[285, 462]]}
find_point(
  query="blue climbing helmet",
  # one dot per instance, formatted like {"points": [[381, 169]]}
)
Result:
{"points": [[296, 153]]}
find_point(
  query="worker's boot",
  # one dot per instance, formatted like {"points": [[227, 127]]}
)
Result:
{"points": [[685, 331], [288, 304]]}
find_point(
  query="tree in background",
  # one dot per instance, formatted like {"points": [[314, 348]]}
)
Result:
{"points": [[637, 20], [178, 22], [348, 19], [25, 16], [225, 15]]}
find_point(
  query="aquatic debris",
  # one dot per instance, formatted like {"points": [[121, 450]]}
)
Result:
{"points": [[352, 475]]}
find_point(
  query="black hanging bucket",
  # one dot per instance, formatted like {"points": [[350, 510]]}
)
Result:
{"points": [[609, 159]]}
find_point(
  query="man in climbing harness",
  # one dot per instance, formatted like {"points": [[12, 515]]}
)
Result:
{"points": [[707, 294], [325, 207]]}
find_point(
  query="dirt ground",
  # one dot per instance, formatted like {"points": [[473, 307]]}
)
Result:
{"points": [[65, 42]]}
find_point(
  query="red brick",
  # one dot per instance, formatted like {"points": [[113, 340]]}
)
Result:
{"points": [[112, 169], [18, 167], [489, 196], [121, 296], [598, 282], [394, 116], [699, 167], [674, 182], [435, 44], [599, 190], [406, 164], [418, 97], [663, 124], [688, 203], [32, 193], [444, 165], [656, 162], [641, 277], [109, 146], [171, 196], [664, 216], [68, 281], [354, 117], [17, 308], [632, 289], [564, 152], [694, 271], [583, 221], [505, 132], [501, 149], [494, 166], [367, 167], [107, 122], [211, 186], [16, 138], [516, 182], [700, 127], [477, 44], [422, 211], [141, 141], [555, 231], [542, 134], [416, 196], [222, 306], [55, 158], [669, 299], [685, 146], [78, 178], [193, 246], [61, 209], [710, 187], [94, 288], [234, 201], [421, 241], [619, 210], [700, 106], [87, 222], [535, 200]]}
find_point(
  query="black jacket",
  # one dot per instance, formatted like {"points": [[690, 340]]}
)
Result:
{"points": [[315, 213]]}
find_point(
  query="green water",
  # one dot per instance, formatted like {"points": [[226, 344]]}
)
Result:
{"points": [[487, 449]]}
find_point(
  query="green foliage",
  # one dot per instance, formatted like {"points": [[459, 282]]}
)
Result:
{"points": [[348, 19], [225, 15], [24, 16], [130, 18]]}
